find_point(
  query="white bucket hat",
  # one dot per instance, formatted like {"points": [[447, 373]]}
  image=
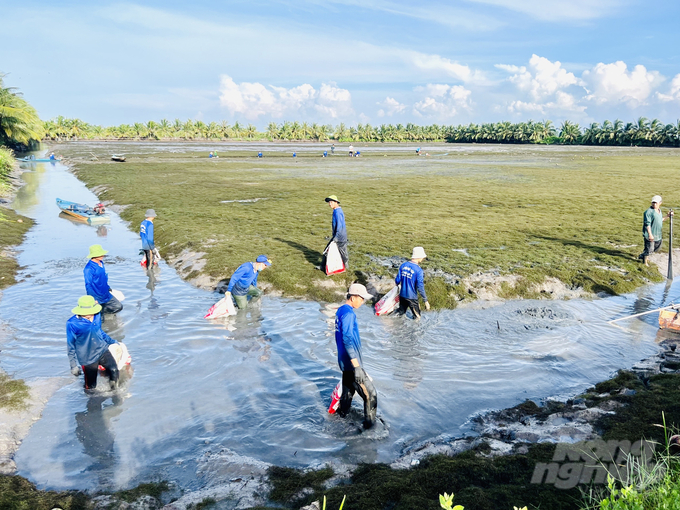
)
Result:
{"points": [[356, 289], [418, 253], [657, 199]]}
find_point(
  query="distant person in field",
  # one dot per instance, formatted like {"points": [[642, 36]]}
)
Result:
{"points": [[347, 339], [351, 150], [339, 230], [652, 224], [146, 233], [88, 346], [97, 281], [412, 281], [332, 149], [243, 283]]}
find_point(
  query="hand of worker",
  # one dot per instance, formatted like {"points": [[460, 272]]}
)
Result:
{"points": [[360, 375], [427, 305], [76, 370], [651, 237]]}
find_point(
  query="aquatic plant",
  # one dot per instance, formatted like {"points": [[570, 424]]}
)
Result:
{"points": [[446, 502]]}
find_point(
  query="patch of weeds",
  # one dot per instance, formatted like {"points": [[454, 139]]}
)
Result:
{"points": [[205, 503], [441, 294], [17, 493], [13, 227], [288, 482], [623, 379], [13, 393], [153, 489]]}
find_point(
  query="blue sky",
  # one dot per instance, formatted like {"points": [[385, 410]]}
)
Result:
{"points": [[377, 61]]}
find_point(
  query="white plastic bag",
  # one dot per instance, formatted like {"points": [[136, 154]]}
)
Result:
{"points": [[118, 295], [120, 354], [388, 302], [224, 306], [334, 263]]}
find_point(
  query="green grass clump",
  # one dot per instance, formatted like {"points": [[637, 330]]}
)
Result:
{"points": [[153, 489], [571, 214], [289, 482], [13, 393], [13, 227], [6, 164], [17, 493]]}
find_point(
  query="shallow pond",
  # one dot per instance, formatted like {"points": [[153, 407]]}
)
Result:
{"points": [[260, 383]]}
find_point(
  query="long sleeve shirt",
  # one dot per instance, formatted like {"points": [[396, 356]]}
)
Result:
{"points": [[347, 337], [339, 227], [654, 220], [97, 282], [146, 233], [242, 279], [85, 340], [412, 281]]}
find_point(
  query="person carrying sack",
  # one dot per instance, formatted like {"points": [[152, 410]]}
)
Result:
{"points": [[652, 226], [339, 233], [354, 377], [243, 282], [97, 281], [88, 346], [412, 281]]}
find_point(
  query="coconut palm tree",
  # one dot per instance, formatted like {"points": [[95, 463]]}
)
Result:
{"points": [[19, 121]]}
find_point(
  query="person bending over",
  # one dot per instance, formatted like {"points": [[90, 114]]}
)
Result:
{"points": [[97, 281], [354, 377], [243, 282], [87, 345]]}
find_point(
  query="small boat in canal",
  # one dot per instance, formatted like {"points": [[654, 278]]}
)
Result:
{"points": [[28, 159], [118, 157], [84, 213]]}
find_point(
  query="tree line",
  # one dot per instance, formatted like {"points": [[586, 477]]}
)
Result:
{"points": [[642, 132]]}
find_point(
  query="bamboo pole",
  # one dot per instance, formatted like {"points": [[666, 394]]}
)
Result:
{"points": [[645, 313]]}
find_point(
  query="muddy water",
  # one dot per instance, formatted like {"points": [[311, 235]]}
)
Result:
{"points": [[259, 383]]}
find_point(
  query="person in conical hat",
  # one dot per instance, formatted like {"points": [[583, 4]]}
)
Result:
{"points": [[88, 345], [412, 281], [97, 281]]}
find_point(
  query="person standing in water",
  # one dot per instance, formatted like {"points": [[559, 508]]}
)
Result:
{"points": [[412, 281], [339, 230], [146, 233], [243, 282], [652, 225], [97, 281], [88, 346], [354, 376]]}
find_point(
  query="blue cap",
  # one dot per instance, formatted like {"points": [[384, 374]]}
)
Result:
{"points": [[264, 260]]}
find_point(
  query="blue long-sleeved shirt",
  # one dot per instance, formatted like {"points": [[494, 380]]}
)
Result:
{"points": [[347, 337], [85, 340], [412, 281], [243, 277], [339, 227], [97, 282], [146, 233]]}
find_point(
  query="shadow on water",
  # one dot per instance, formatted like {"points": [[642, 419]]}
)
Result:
{"points": [[312, 256]]}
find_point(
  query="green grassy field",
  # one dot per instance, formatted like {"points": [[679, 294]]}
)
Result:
{"points": [[570, 213]]}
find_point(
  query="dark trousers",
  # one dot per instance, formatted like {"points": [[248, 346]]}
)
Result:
{"points": [[650, 247], [149, 258], [91, 371], [405, 304], [344, 254], [366, 391], [112, 306]]}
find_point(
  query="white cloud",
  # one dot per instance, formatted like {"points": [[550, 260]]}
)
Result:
{"points": [[542, 78], [253, 100], [614, 83], [560, 10], [563, 103], [442, 101], [389, 107], [444, 65], [674, 93]]}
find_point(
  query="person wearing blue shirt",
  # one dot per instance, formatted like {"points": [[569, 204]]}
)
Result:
{"points": [[97, 281], [243, 282], [146, 233], [412, 281], [339, 234], [87, 345], [354, 376]]}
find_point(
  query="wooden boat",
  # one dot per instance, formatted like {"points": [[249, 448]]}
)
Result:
{"points": [[82, 212], [118, 157], [670, 319], [37, 160]]}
